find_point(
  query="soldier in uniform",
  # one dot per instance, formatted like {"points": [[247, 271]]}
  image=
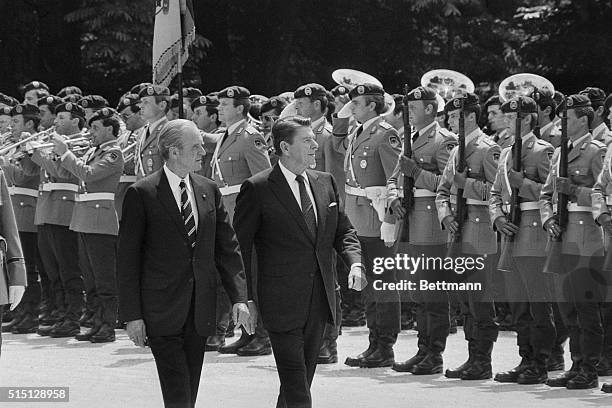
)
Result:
{"points": [[431, 146], [497, 122], [154, 104], [206, 117], [477, 238], [173, 113], [6, 100], [546, 129], [600, 132], [270, 112], [33, 91], [47, 105], [94, 218], [70, 90], [23, 189], [527, 288], [189, 95], [580, 289], [72, 98], [91, 104], [372, 151], [239, 154]]}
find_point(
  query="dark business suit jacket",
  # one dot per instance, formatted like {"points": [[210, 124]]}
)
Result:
{"points": [[269, 218], [158, 272]]}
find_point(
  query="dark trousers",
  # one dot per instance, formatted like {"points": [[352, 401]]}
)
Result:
{"points": [[58, 248], [179, 360], [224, 309], [382, 306], [97, 258], [31, 298], [296, 351]]}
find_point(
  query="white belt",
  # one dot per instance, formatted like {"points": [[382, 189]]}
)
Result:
{"points": [[529, 205], [422, 192], [127, 179], [95, 197], [573, 207], [60, 186], [356, 191], [23, 191], [469, 201], [230, 190]]}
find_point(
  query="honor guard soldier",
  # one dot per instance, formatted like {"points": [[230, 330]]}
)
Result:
{"points": [[154, 104], [527, 288], [311, 102], [396, 118], [70, 90], [497, 122], [33, 91], [206, 117], [91, 104], [23, 189], [95, 220], [270, 112], [239, 154], [56, 243], [47, 105], [477, 237], [189, 95], [173, 113], [372, 151], [600, 132], [582, 245], [546, 129], [134, 123], [431, 147]]}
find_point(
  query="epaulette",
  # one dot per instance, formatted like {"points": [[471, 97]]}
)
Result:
{"points": [[110, 147], [543, 142], [385, 125], [447, 134], [251, 130], [488, 141], [598, 144]]}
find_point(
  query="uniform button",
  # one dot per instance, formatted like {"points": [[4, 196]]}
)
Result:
{"points": [[421, 159], [347, 180], [63, 197], [370, 204], [190, 280], [229, 158], [469, 169], [535, 224], [352, 156], [97, 205], [21, 204], [580, 222], [365, 153], [577, 171], [429, 207], [477, 220]]}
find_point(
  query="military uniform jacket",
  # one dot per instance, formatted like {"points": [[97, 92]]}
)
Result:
{"points": [[602, 134], [15, 265], [535, 164], [481, 156], [129, 169], [323, 134], [585, 162], [373, 155], [148, 158], [94, 213], [504, 139], [550, 133], [603, 188], [23, 188], [209, 141], [431, 151]]}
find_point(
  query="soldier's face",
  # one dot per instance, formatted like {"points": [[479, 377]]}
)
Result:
{"points": [[5, 123], [189, 157], [18, 126], [417, 112], [511, 120], [497, 120], [305, 107], [453, 121], [201, 118], [172, 114], [361, 111], [31, 97], [228, 113], [64, 123], [149, 108], [301, 153], [132, 120], [46, 117], [100, 134], [576, 126], [268, 119], [89, 113]]}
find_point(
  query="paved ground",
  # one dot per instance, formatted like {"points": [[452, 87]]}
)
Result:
{"points": [[120, 375]]}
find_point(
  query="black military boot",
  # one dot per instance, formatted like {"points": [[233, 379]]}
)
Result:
{"points": [[17, 318], [46, 330], [408, 365], [383, 356], [355, 361], [328, 354], [562, 379], [456, 372], [68, 328], [586, 378], [258, 346], [88, 334], [556, 362], [607, 388], [604, 366], [233, 348], [511, 376], [28, 324], [45, 318], [106, 334], [7, 316], [534, 374], [480, 369], [214, 342], [431, 364]]}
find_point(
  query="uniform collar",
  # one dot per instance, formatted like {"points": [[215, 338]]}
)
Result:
{"points": [[599, 129], [317, 122], [107, 144], [154, 125], [527, 136], [231, 128], [473, 135], [546, 127], [369, 123], [578, 141], [427, 128]]}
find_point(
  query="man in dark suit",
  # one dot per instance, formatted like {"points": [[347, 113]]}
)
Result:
{"points": [[293, 218], [174, 238]]}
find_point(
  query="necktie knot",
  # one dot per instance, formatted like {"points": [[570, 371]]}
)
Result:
{"points": [[182, 184], [300, 179]]}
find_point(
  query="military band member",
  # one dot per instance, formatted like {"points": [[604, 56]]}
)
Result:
{"points": [[94, 217], [47, 105], [600, 131], [497, 122], [154, 104], [371, 154], [91, 104], [5, 123], [477, 238], [206, 117], [33, 91], [431, 146], [6, 100], [582, 245], [527, 288], [70, 90], [270, 112], [239, 154]]}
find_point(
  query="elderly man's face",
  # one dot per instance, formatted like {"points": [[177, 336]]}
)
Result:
{"points": [[189, 156]]}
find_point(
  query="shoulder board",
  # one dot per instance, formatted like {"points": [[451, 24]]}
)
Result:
{"points": [[447, 134], [385, 125], [110, 147], [487, 141], [251, 130], [598, 144], [542, 142]]}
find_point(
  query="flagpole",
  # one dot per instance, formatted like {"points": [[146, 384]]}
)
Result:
{"points": [[179, 72]]}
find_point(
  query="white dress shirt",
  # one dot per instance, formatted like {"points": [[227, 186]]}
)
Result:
{"points": [[295, 187], [174, 182]]}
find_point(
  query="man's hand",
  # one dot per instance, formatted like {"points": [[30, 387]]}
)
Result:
{"points": [[137, 332], [387, 233], [460, 178], [606, 222], [516, 178], [450, 224], [409, 167], [242, 317], [60, 146], [398, 209], [552, 227], [565, 186], [15, 295], [357, 278], [505, 227]]}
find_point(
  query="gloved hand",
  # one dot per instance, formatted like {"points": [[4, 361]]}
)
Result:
{"points": [[450, 224], [398, 209], [516, 178], [409, 167], [387, 233], [505, 227], [552, 227], [460, 178]]}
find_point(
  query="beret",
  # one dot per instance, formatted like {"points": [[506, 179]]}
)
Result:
{"points": [[274, 102], [573, 102], [494, 100], [69, 90], [104, 113], [139, 87], [211, 101], [309, 91], [174, 101], [191, 92], [51, 101], [422, 93], [608, 102], [8, 100], [234, 92], [127, 100], [25, 109], [35, 85], [93, 102], [523, 104], [544, 97], [469, 100], [154, 90], [366, 89], [72, 108], [339, 90], [594, 94]]}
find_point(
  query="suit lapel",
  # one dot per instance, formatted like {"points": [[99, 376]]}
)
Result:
{"points": [[283, 192], [319, 196], [165, 196]]}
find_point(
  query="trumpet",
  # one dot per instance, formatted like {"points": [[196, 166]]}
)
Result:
{"points": [[129, 147], [69, 142], [10, 147]]}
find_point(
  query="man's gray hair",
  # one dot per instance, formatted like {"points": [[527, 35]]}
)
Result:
{"points": [[171, 135]]}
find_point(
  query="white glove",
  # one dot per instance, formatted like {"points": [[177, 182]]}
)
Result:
{"points": [[357, 278], [15, 295], [387, 233]]}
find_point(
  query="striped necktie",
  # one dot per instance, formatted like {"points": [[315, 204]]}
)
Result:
{"points": [[187, 213], [307, 207]]}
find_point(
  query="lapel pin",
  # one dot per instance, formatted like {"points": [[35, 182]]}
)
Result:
{"points": [[204, 196]]}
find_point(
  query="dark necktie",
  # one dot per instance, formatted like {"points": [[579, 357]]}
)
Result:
{"points": [[415, 136], [571, 146], [537, 132], [187, 214], [307, 207], [359, 130], [224, 138]]}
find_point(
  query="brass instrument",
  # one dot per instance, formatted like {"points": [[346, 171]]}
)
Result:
{"points": [[448, 83], [350, 78], [129, 152], [76, 140], [524, 84]]}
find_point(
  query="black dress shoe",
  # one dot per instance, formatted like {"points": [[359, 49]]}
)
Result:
{"points": [[46, 330], [555, 363], [607, 388], [233, 348], [7, 328], [29, 324], [431, 364], [66, 329], [583, 381], [45, 319], [356, 361], [214, 342], [328, 354], [409, 364], [87, 335], [562, 379], [511, 376], [456, 372], [533, 375], [7, 316], [106, 334], [381, 357], [258, 346], [478, 370]]}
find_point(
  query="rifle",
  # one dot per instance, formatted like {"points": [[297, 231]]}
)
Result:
{"points": [[505, 263], [408, 200], [554, 262], [454, 249]]}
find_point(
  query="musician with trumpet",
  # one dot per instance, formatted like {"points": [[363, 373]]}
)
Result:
{"points": [[47, 105]]}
